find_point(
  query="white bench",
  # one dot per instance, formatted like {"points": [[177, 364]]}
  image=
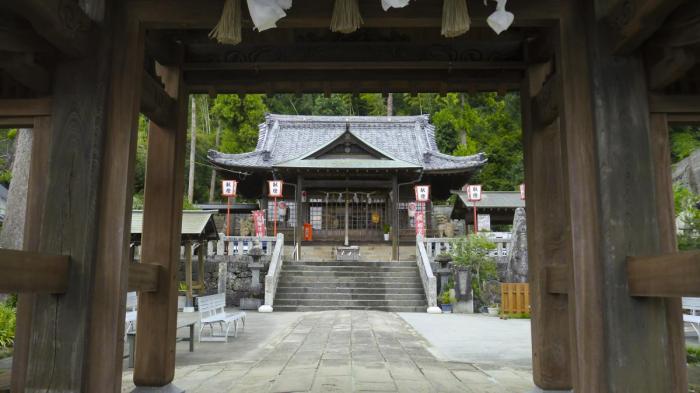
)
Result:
{"points": [[211, 312], [130, 319], [692, 304]]}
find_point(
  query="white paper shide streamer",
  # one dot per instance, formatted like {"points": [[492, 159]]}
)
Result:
{"points": [[386, 4], [501, 19], [266, 13]]}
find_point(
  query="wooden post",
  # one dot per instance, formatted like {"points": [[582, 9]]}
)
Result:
{"points": [[299, 214], [612, 209], [92, 119], [188, 272], [155, 336], [547, 237], [661, 154], [201, 257], [395, 232], [36, 198]]}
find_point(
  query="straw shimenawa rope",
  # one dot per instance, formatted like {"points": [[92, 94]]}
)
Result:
{"points": [[455, 18], [346, 16], [228, 30]]}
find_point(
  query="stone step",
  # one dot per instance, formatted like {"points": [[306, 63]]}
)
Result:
{"points": [[335, 273], [349, 263], [342, 290], [341, 268], [348, 303], [348, 296], [348, 285], [331, 279], [420, 309]]}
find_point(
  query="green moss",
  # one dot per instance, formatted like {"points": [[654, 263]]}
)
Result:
{"points": [[693, 355]]}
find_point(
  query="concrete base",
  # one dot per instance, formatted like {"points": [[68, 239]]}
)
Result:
{"points": [[540, 390], [463, 307], [265, 308], [169, 388], [434, 310]]}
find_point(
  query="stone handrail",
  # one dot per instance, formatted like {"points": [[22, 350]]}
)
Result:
{"points": [[273, 274], [427, 276], [435, 245], [241, 245]]}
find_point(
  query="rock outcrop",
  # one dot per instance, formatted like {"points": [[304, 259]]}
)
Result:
{"points": [[517, 258]]}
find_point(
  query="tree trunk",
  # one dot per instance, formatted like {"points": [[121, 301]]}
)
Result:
{"points": [[13, 229], [390, 104], [212, 184], [193, 149]]}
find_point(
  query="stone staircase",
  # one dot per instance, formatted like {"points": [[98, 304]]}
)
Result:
{"points": [[317, 286]]}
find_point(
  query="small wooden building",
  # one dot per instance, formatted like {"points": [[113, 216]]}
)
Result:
{"points": [[499, 205], [347, 176]]}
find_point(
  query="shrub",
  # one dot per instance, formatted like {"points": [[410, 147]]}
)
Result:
{"points": [[693, 355], [7, 326], [472, 252]]}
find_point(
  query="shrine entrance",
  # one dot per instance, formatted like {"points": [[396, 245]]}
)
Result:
{"points": [[352, 215]]}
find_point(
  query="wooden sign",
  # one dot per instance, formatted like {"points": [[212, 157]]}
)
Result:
{"points": [[422, 193], [228, 188], [474, 192], [522, 191], [274, 188]]}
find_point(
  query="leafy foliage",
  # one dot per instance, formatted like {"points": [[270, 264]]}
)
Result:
{"points": [[8, 322], [684, 140], [471, 252], [686, 206], [693, 355]]}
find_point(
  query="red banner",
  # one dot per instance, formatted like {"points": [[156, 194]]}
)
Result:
{"points": [[419, 221], [259, 223]]}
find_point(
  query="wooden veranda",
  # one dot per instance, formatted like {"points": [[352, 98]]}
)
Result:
{"points": [[600, 81]]}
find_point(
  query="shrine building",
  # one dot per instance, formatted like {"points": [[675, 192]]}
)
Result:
{"points": [[342, 174]]}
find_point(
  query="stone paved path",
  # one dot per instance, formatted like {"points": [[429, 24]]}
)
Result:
{"points": [[347, 351]]}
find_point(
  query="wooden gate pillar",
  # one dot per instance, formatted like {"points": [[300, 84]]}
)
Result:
{"points": [[622, 343], [547, 232], [299, 206], [395, 230], [165, 170]]}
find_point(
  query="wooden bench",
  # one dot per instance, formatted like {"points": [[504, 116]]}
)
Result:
{"points": [[211, 312]]}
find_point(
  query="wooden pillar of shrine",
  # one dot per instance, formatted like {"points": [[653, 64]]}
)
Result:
{"points": [[612, 208], [157, 311], [36, 198], [299, 206], [547, 230], [395, 232]]}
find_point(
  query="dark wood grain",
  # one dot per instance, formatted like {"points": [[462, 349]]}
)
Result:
{"points": [[144, 277], [31, 272]]}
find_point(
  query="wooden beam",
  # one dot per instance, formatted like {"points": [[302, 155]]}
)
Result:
{"points": [[545, 104], [165, 173], [558, 279], [632, 23], [23, 69], [204, 14], [144, 277], [16, 122], [32, 272], [661, 103], [665, 211], [156, 104], [669, 275], [23, 41], [547, 237], [28, 107], [62, 23], [125, 56], [356, 65], [683, 118], [681, 28], [161, 48], [671, 67]]}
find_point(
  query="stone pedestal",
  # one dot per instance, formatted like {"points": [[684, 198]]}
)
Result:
{"points": [[255, 271], [443, 279]]}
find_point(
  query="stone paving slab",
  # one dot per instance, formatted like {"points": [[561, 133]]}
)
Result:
{"points": [[336, 351]]}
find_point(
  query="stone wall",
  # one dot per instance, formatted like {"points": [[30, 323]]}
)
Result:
{"points": [[238, 280]]}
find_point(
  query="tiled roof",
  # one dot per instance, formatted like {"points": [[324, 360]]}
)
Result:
{"points": [[194, 222], [493, 199], [409, 139]]}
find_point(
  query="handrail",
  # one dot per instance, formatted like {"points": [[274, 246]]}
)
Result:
{"points": [[427, 276], [273, 274]]}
